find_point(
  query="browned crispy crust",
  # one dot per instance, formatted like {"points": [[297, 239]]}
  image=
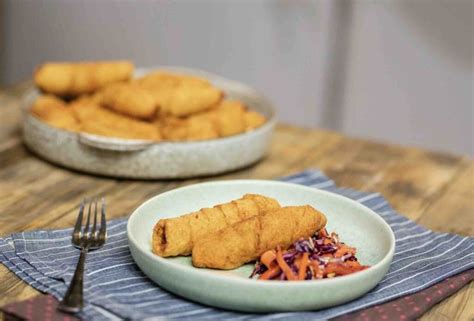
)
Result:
{"points": [[129, 99], [177, 236], [245, 241], [180, 95], [74, 79], [54, 112], [98, 120]]}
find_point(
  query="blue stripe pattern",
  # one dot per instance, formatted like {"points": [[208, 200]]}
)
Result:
{"points": [[118, 289]]}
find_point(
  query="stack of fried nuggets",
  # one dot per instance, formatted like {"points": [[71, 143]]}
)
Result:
{"points": [[101, 98]]}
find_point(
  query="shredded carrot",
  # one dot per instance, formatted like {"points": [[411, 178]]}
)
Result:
{"points": [[303, 266], [344, 249], [340, 269], [306, 254], [327, 241], [323, 233], [273, 271], [353, 264], [268, 258], [317, 273], [283, 266]]}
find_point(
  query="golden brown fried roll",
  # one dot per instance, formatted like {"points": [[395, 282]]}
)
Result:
{"points": [[98, 120], [177, 236], [226, 119], [129, 99], [94, 99], [197, 127], [180, 95], [245, 241], [253, 120], [73, 79], [229, 118], [54, 112], [173, 128], [188, 99]]}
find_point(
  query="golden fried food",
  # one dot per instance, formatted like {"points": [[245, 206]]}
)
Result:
{"points": [[253, 120], [201, 127], [164, 80], [129, 99], [177, 107], [177, 236], [54, 112], [229, 118], [74, 79], [179, 95], [189, 98], [98, 120], [246, 240], [197, 127], [95, 98]]}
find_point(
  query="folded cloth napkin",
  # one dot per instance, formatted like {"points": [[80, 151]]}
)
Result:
{"points": [[114, 284], [407, 308]]}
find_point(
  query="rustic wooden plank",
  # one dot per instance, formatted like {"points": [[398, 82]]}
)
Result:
{"points": [[453, 211], [10, 120], [12, 288]]}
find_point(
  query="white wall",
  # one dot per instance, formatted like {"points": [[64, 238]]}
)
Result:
{"points": [[410, 76], [398, 71]]}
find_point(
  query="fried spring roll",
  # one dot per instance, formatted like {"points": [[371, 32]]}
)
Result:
{"points": [[54, 112], [253, 120], [129, 99], [245, 241], [180, 95], [188, 99], [198, 127], [177, 236], [73, 79], [101, 121], [229, 118]]}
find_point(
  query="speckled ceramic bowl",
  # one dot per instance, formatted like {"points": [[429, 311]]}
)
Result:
{"points": [[150, 160]]}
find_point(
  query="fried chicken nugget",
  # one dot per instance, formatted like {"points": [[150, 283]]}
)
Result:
{"points": [[74, 79], [246, 240], [177, 236], [54, 112], [98, 120], [179, 95], [129, 99]]}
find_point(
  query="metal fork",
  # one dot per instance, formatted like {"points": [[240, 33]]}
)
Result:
{"points": [[86, 240]]}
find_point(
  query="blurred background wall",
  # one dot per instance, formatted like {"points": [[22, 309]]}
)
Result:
{"points": [[400, 71]]}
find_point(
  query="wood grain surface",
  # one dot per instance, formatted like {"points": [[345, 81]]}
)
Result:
{"points": [[434, 189]]}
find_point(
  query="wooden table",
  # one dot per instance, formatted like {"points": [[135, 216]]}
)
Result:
{"points": [[434, 189]]}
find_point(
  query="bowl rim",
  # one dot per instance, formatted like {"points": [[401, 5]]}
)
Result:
{"points": [[386, 260], [270, 122]]}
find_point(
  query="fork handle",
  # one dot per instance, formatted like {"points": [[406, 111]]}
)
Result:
{"points": [[73, 300]]}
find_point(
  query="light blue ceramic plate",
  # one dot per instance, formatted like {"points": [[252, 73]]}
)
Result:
{"points": [[356, 225]]}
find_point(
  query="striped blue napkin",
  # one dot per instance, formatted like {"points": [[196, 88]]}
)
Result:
{"points": [[116, 288]]}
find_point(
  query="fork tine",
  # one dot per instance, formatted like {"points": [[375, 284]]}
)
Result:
{"points": [[103, 221], [77, 227], [86, 228], [94, 226]]}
